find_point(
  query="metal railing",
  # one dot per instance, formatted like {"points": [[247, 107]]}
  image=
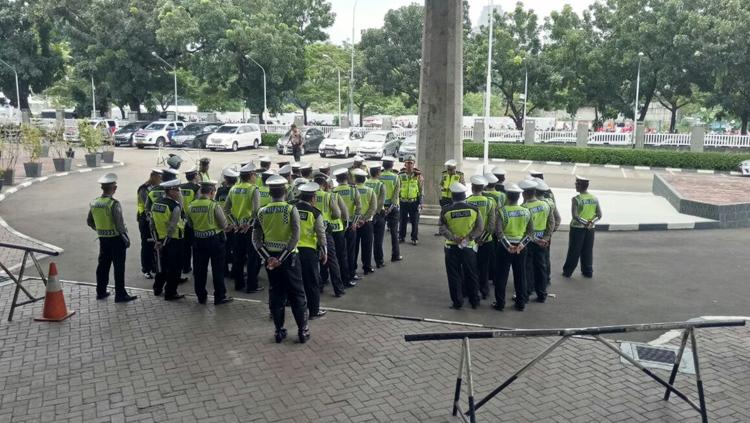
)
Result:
{"points": [[468, 133], [675, 140], [610, 138], [561, 137], [732, 141], [28, 252], [505, 135], [464, 364]]}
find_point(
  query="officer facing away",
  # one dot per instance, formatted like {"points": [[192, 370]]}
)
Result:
{"points": [[276, 233], [538, 249], [586, 212], [168, 223], [312, 246], [148, 267], [514, 230], [368, 202], [392, 184], [189, 190], [485, 248], [328, 204], [353, 208], [203, 164], [241, 207], [105, 217]]}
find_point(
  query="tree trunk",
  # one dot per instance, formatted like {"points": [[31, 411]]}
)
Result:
{"points": [[135, 105], [673, 120], [744, 117], [304, 115], [122, 111], [24, 93], [518, 120], [361, 114]]}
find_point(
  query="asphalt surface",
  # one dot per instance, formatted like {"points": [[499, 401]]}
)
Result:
{"points": [[639, 276]]}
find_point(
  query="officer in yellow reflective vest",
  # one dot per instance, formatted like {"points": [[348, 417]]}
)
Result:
{"points": [[492, 191], [485, 247], [207, 219], [368, 202], [276, 234], [500, 175], [392, 203], [312, 246], [449, 176], [514, 231], [203, 164], [264, 164], [353, 208], [359, 163], [586, 212], [148, 267], [157, 192], [222, 193], [168, 223], [263, 191], [241, 208], [410, 200], [305, 170], [188, 190], [105, 217], [378, 220], [536, 257], [328, 204], [543, 192]]}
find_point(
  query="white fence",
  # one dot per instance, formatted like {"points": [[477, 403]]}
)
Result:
{"points": [[505, 135], [468, 133], [675, 140], [734, 141], [610, 138], [555, 136]]}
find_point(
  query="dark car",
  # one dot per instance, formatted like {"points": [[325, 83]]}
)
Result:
{"points": [[311, 139], [194, 135], [124, 135]]}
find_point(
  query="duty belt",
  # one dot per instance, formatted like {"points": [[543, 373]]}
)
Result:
{"points": [[106, 232], [205, 234], [274, 246], [539, 234]]}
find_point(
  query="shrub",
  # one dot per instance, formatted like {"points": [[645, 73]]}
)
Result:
{"points": [[31, 139], [269, 139], [91, 138], [615, 156]]}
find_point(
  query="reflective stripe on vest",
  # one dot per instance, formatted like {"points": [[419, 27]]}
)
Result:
{"points": [[202, 216], [265, 195], [539, 210], [446, 182], [241, 195], [388, 179], [161, 213], [586, 204], [307, 236], [188, 194], [101, 211], [141, 204], [409, 187], [515, 219], [484, 204], [275, 220], [460, 222], [347, 194], [156, 194]]}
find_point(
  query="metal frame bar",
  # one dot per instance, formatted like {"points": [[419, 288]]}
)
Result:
{"points": [[28, 251]]}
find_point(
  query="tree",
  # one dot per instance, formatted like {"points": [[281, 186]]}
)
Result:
{"points": [[309, 18]]}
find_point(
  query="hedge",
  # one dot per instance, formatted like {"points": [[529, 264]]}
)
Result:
{"points": [[269, 139], [615, 156]]}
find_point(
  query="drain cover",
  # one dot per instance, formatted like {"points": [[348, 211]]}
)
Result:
{"points": [[658, 357]]}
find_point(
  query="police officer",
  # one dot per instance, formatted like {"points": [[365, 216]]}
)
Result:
{"points": [[514, 231], [500, 175], [368, 203], [492, 191], [586, 212], [242, 205], [169, 225], [222, 193], [264, 163], [353, 208], [410, 200], [296, 165], [263, 190], [208, 222], [536, 258], [188, 190], [276, 233], [535, 174], [359, 163], [543, 192], [147, 243], [461, 224], [157, 192], [105, 217], [485, 248], [449, 176], [305, 170], [328, 204], [325, 169], [378, 221], [294, 193], [392, 183], [312, 246], [203, 164]]}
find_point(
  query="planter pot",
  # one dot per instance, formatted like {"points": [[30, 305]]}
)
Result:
{"points": [[108, 156], [8, 177], [45, 151], [93, 160], [33, 170], [62, 165]]}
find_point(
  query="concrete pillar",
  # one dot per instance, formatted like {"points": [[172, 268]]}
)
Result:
{"points": [[211, 117], [132, 116], [441, 92], [697, 138], [344, 122], [529, 132], [640, 134], [387, 123], [59, 117], [25, 116], [477, 135], [94, 114], [582, 134], [299, 121]]}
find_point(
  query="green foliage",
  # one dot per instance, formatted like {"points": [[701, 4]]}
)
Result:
{"points": [[31, 139], [615, 156], [58, 143], [91, 138], [269, 139], [10, 146]]}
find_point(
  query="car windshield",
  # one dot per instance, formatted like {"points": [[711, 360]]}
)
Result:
{"points": [[374, 137], [156, 126], [192, 129], [227, 130], [130, 127], [339, 135]]}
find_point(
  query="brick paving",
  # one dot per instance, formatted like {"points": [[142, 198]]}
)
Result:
{"points": [[156, 361], [713, 189]]}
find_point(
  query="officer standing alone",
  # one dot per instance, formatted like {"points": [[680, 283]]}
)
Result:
{"points": [[410, 199], [586, 212], [392, 184]]}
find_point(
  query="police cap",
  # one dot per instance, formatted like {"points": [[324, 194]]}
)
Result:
{"points": [[276, 181], [478, 180]]}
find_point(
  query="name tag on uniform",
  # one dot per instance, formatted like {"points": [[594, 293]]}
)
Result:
{"points": [[159, 208], [460, 213]]}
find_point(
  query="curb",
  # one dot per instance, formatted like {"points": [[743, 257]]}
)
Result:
{"points": [[617, 227]]}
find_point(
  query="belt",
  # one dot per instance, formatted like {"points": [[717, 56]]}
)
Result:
{"points": [[106, 232], [205, 234]]}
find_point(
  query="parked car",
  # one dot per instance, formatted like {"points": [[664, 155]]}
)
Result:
{"points": [[124, 135], [408, 148], [235, 136], [377, 144], [157, 133], [107, 126], [194, 135], [311, 140], [340, 142]]}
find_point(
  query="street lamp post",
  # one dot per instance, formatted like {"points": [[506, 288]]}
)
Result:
{"points": [[174, 69], [93, 98], [338, 74], [525, 94], [488, 93], [351, 76], [18, 95], [265, 98], [637, 95]]}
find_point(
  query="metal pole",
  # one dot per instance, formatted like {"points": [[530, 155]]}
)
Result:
{"points": [[457, 393], [698, 379], [637, 95], [93, 97], [338, 73], [488, 92], [525, 95], [351, 76], [265, 98], [677, 361], [176, 111], [470, 383]]}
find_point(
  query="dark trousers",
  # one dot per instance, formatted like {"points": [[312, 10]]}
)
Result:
{"points": [[342, 254], [285, 283], [187, 250], [536, 270], [409, 213], [308, 258], [331, 269], [211, 249], [547, 259], [392, 220], [378, 233], [485, 260], [363, 245], [245, 259], [296, 151], [580, 246], [171, 268], [229, 251], [147, 247], [505, 261], [111, 254], [351, 251], [461, 267]]}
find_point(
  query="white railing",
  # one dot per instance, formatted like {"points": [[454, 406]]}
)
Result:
{"points": [[734, 141], [274, 129], [562, 137], [610, 138], [505, 135], [667, 139], [404, 132], [468, 133]]}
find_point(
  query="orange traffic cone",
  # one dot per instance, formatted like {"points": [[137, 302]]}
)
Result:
{"points": [[54, 302]]}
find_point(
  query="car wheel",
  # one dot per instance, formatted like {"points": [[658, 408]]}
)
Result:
{"points": [[346, 152], [140, 147], [256, 144], [235, 146], [160, 142], [322, 154]]}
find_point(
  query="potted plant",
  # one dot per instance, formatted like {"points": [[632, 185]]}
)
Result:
{"points": [[108, 151], [91, 139], [9, 151], [60, 149], [31, 139]]}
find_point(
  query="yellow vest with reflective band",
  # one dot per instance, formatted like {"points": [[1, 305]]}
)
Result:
{"points": [[499, 197], [202, 215], [275, 219], [586, 204], [323, 203], [515, 220], [259, 182], [446, 182], [540, 211], [308, 238], [365, 197], [374, 185], [241, 195], [141, 204], [347, 194], [188, 191], [388, 178], [156, 194], [409, 187], [336, 225], [265, 195], [461, 221], [101, 211], [204, 177], [486, 206], [161, 213]]}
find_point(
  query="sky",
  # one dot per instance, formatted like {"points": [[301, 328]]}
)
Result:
{"points": [[370, 13]]}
